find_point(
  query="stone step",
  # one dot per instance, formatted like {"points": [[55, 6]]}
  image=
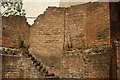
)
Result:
{"points": [[50, 74], [40, 66], [35, 61]]}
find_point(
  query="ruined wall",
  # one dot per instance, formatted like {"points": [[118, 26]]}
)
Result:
{"points": [[19, 63], [58, 27], [15, 27], [15, 66], [88, 23], [115, 21], [118, 61], [98, 24], [83, 65], [115, 31], [47, 36], [75, 25], [68, 4]]}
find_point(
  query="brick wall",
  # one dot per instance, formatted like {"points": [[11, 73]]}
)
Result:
{"points": [[115, 21], [75, 25], [118, 61], [86, 22], [86, 66], [47, 33], [98, 24], [15, 66], [59, 27], [47, 36], [13, 28]]}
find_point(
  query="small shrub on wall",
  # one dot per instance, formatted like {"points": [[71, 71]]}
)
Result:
{"points": [[81, 45], [20, 44], [20, 41]]}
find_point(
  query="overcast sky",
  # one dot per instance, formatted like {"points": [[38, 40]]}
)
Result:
{"points": [[36, 7]]}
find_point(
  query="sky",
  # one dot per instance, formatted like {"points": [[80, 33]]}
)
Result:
{"points": [[34, 8]]}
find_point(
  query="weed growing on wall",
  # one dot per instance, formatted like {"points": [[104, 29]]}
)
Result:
{"points": [[20, 41], [81, 45]]}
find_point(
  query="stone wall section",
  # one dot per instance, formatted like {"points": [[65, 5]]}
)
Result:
{"points": [[89, 23], [47, 37], [14, 29], [75, 25], [47, 33], [59, 28], [15, 66], [98, 24]]}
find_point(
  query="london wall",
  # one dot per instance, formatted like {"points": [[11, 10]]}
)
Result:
{"points": [[89, 23], [60, 28]]}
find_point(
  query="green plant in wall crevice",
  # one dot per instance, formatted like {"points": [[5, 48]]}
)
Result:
{"points": [[20, 41], [81, 45]]}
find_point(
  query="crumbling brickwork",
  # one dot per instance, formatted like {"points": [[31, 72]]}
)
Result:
{"points": [[118, 61], [73, 25], [18, 67], [86, 66], [47, 36], [15, 28], [19, 63], [59, 28], [89, 23], [47, 33], [98, 24]]}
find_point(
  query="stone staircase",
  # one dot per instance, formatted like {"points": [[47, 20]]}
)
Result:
{"points": [[40, 66], [23, 65]]}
